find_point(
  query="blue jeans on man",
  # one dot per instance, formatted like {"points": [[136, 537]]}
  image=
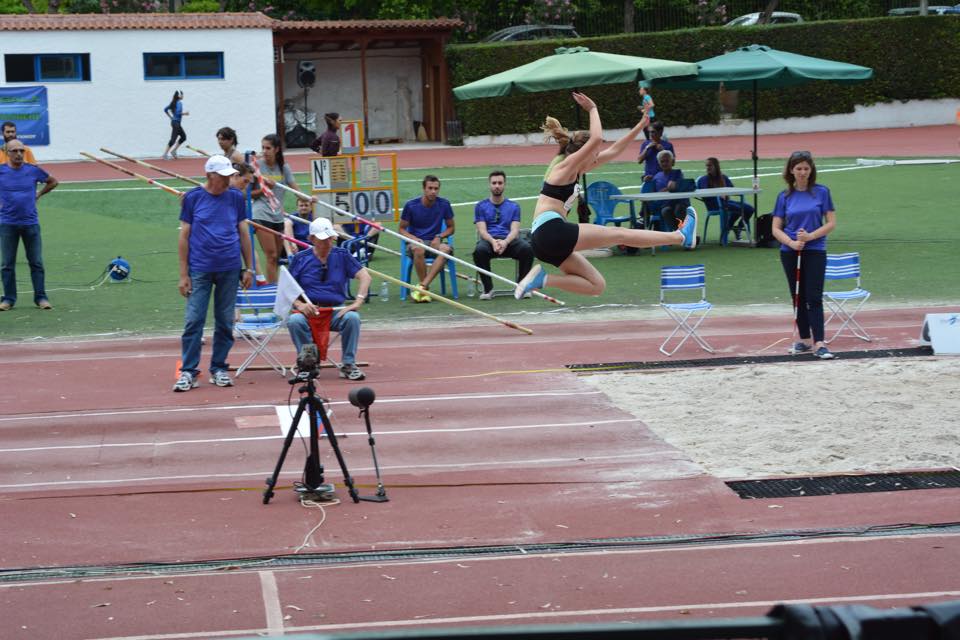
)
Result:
{"points": [[10, 235], [348, 326], [224, 285]]}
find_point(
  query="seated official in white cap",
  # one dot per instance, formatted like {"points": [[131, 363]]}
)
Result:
{"points": [[214, 246], [323, 272]]}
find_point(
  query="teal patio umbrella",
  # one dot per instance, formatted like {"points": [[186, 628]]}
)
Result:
{"points": [[573, 68], [760, 67]]}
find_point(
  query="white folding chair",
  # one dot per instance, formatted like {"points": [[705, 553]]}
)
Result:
{"points": [[258, 324], [684, 278], [845, 266]]}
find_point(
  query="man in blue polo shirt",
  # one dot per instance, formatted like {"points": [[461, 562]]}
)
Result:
{"points": [[213, 247], [18, 219], [498, 227], [427, 219], [322, 272]]}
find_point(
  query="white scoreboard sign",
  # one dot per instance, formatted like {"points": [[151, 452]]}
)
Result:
{"points": [[374, 204]]}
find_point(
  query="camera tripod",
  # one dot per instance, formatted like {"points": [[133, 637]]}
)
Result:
{"points": [[313, 470]]}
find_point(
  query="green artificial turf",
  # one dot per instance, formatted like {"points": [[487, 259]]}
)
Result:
{"points": [[902, 220]]}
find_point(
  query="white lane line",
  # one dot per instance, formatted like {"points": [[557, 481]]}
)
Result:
{"points": [[161, 410], [551, 615], [400, 432], [271, 603], [523, 463]]}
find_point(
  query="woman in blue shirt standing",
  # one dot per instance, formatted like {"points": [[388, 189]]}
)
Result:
{"points": [[802, 218], [178, 136]]}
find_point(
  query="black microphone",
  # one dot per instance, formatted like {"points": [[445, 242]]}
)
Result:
{"points": [[362, 397]]}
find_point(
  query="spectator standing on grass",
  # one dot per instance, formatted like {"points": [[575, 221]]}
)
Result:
{"points": [[498, 229], [227, 141], [19, 221], [269, 211], [649, 150], [10, 133], [178, 136], [802, 217], [213, 248]]}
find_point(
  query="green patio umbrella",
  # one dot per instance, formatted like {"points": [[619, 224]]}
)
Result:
{"points": [[760, 67], [573, 68]]}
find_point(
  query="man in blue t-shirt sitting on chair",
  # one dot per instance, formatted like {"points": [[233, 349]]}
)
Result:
{"points": [[323, 272], [498, 228], [423, 219]]}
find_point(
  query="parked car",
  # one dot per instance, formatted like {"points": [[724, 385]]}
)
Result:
{"points": [[532, 32], [938, 10], [778, 17]]}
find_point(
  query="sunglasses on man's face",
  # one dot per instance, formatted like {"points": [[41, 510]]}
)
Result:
{"points": [[15, 151]]}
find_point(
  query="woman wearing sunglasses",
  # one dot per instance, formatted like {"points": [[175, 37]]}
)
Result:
{"points": [[802, 218]]}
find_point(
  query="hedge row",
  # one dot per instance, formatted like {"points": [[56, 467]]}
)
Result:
{"points": [[912, 58]]}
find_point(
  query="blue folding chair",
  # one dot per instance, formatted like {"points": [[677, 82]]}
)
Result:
{"points": [[598, 197], [406, 269], [684, 278], [845, 266], [258, 324]]}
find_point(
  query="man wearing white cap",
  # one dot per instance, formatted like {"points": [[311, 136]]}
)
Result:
{"points": [[214, 246], [323, 272]]}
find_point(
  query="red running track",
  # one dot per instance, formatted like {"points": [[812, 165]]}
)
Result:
{"points": [[489, 442]]}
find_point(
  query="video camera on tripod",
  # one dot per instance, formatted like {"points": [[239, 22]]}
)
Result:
{"points": [[308, 363], [308, 368]]}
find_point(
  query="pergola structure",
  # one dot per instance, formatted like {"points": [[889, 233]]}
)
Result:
{"points": [[429, 36]]}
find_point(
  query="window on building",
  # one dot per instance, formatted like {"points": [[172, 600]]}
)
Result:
{"points": [[47, 67], [167, 66]]}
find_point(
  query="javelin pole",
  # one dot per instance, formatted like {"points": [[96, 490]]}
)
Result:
{"points": [[347, 236], [417, 243], [796, 298], [170, 190], [195, 150], [396, 281], [154, 167]]}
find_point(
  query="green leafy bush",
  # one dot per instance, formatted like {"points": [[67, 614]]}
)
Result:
{"points": [[912, 58]]}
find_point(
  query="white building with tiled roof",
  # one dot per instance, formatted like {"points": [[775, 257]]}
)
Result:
{"points": [[108, 77]]}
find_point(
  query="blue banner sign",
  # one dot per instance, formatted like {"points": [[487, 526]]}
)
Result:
{"points": [[27, 108]]}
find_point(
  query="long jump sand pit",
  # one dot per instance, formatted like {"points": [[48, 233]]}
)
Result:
{"points": [[807, 417]]}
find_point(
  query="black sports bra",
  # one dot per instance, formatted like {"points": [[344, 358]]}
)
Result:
{"points": [[567, 193], [558, 192]]}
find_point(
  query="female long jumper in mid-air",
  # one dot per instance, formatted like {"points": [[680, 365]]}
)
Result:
{"points": [[556, 241]]}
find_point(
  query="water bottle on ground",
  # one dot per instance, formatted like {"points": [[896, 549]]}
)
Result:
{"points": [[471, 288], [384, 292]]}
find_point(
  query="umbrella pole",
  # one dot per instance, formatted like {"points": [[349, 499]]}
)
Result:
{"points": [[756, 210]]}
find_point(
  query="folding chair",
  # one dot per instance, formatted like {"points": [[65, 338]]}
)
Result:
{"points": [[845, 266], [258, 326], [684, 278], [598, 197]]}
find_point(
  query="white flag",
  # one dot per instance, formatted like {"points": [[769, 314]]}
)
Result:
{"points": [[288, 290]]}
